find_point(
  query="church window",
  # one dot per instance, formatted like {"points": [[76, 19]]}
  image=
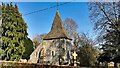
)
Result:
{"points": [[53, 53]]}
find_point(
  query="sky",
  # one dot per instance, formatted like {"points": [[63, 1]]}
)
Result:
{"points": [[41, 22]]}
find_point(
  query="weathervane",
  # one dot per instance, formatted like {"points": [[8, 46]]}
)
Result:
{"points": [[57, 5]]}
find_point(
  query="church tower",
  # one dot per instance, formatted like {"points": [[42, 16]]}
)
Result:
{"points": [[56, 46], [57, 51]]}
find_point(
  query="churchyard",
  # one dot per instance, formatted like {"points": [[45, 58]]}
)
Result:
{"points": [[64, 46]]}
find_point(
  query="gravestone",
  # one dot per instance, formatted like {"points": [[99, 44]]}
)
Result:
{"points": [[111, 64]]}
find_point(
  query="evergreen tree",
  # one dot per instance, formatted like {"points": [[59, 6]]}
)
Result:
{"points": [[28, 48], [111, 45], [87, 51], [0, 29], [14, 33]]}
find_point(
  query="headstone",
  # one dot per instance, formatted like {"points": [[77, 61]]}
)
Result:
{"points": [[118, 65], [111, 64]]}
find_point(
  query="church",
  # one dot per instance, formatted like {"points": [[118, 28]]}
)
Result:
{"points": [[56, 47]]}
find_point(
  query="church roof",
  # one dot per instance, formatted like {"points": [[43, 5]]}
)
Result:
{"points": [[57, 31]]}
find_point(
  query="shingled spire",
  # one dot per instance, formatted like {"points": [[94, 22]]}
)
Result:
{"points": [[57, 30]]}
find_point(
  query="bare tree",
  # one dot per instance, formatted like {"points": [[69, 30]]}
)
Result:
{"points": [[106, 18], [104, 14], [86, 50], [38, 39], [70, 26]]}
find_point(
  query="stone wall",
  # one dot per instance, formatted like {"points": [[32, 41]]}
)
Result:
{"points": [[35, 54], [49, 50], [10, 64]]}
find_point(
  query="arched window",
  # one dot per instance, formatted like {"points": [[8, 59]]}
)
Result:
{"points": [[52, 53]]}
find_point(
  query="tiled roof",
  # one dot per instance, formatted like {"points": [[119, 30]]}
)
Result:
{"points": [[57, 30]]}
